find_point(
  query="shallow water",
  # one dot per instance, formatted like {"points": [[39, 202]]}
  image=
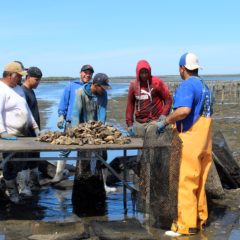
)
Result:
{"points": [[52, 204]]}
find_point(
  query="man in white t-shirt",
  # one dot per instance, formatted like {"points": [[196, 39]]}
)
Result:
{"points": [[15, 120]]}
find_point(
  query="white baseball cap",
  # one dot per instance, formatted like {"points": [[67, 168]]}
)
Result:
{"points": [[189, 61]]}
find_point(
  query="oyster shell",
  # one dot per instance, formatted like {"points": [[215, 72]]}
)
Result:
{"points": [[92, 132]]}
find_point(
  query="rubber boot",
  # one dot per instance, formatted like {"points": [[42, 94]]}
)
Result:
{"points": [[23, 183], [12, 191], [107, 189], [34, 180], [61, 172]]}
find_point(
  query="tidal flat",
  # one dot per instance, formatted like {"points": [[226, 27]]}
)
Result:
{"points": [[224, 214]]}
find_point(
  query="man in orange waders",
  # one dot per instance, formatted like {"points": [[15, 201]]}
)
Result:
{"points": [[192, 115]]}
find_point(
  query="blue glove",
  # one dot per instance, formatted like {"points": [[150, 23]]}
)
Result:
{"points": [[131, 131], [161, 125], [7, 136], [60, 122]]}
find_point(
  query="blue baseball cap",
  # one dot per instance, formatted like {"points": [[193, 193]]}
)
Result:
{"points": [[101, 79], [189, 61]]}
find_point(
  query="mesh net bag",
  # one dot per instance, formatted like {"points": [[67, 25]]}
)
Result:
{"points": [[159, 174]]}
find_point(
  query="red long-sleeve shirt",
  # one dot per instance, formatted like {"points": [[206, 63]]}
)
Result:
{"points": [[148, 100]]}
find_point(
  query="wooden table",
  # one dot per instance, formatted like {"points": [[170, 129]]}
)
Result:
{"points": [[30, 144], [27, 144]]}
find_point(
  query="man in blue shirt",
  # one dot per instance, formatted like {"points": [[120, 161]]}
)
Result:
{"points": [[192, 114], [67, 99], [65, 111]]}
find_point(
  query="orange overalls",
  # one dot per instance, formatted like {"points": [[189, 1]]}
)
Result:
{"points": [[195, 163]]}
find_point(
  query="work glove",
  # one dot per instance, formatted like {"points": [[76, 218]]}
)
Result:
{"points": [[68, 125], [131, 131], [60, 122], [162, 117], [68, 128], [37, 132], [161, 125], [7, 136]]}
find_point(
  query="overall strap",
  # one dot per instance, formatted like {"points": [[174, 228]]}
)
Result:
{"points": [[207, 100]]}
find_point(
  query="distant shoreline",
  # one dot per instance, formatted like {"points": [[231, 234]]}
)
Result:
{"points": [[56, 78], [127, 79], [166, 78]]}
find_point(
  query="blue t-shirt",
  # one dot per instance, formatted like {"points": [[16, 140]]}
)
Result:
{"points": [[67, 99], [189, 94]]}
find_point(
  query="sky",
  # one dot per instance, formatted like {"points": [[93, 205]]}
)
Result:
{"points": [[59, 36]]}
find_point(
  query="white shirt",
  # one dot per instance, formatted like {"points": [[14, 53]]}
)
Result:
{"points": [[15, 115]]}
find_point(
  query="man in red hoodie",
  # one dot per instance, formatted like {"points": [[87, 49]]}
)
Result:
{"points": [[148, 99]]}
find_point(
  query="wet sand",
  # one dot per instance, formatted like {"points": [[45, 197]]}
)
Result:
{"points": [[226, 119], [224, 214]]}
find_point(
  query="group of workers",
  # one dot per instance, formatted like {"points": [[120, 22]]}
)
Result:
{"points": [[19, 116], [148, 101]]}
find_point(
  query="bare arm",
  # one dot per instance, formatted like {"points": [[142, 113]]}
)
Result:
{"points": [[179, 114]]}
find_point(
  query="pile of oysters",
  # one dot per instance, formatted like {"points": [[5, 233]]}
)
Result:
{"points": [[92, 132]]}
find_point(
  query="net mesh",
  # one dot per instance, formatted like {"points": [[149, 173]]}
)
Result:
{"points": [[159, 174]]}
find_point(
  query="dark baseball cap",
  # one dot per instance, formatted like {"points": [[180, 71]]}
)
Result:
{"points": [[87, 67], [34, 72], [20, 64], [102, 79]]}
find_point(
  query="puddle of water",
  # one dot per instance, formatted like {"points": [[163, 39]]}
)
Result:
{"points": [[53, 205]]}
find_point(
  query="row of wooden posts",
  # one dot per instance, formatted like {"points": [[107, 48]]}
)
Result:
{"points": [[224, 91]]}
